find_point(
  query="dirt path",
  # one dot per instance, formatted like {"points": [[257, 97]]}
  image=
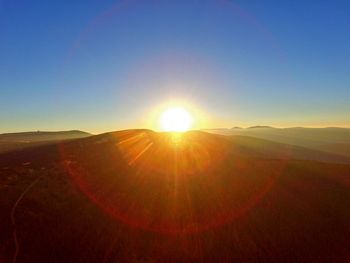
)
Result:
{"points": [[13, 221]]}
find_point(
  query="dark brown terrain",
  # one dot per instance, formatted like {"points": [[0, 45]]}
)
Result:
{"points": [[142, 196]]}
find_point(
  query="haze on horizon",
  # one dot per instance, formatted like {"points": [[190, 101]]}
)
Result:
{"points": [[104, 66]]}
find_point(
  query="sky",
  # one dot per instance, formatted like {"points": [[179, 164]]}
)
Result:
{"points": [[108, 65]]}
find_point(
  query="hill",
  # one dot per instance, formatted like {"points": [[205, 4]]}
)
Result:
{"points": [[142, 196], [332, 140], [21, 140], [255, 147]]}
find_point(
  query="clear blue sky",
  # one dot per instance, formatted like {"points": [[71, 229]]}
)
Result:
{"points": [[106, 65]]}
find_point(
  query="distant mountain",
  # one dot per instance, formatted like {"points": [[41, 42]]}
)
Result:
{"points": [[260, 127], [142, 196], [21, 140]]}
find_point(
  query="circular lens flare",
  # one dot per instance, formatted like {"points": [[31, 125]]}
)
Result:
{"points": [[176, 119]]}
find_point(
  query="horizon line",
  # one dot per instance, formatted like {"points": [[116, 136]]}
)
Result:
{"points": [[203, 129]]}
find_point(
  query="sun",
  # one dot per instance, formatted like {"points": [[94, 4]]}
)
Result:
{"points": [[176, 119]]}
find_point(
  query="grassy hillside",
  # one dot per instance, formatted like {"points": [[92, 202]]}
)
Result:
{"points": [[141, 196]]}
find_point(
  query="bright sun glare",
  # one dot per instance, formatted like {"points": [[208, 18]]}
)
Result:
{"points": [[176, 119]]}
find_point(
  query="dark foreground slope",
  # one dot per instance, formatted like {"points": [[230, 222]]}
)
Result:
{"points": [[140, 196]]}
